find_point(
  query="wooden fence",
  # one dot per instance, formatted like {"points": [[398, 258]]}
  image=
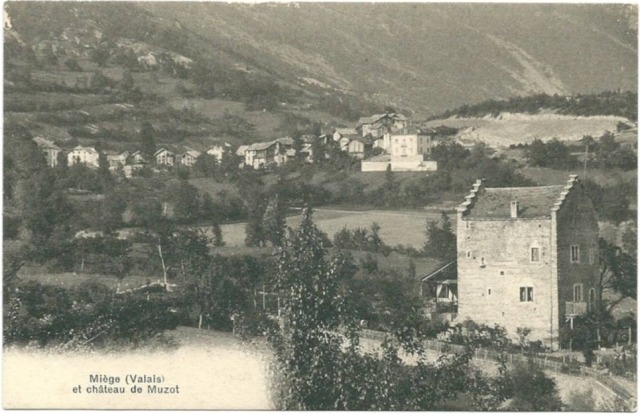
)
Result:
{"points": [[554, 364]]}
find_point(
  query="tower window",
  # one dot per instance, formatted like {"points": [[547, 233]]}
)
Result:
{"points": [[575, 253], [535, 254], [577, 293], [526, 294]]}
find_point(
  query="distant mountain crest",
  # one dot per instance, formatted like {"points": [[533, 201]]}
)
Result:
{"points": [[424, 57]]}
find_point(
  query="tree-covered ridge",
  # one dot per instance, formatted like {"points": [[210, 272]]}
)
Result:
{"points": [[623, 104]]}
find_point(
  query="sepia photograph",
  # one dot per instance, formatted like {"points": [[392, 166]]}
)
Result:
{"points": [[396, 206]]}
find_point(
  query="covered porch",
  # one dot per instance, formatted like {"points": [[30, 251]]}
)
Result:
{"points": [[440, 290]]}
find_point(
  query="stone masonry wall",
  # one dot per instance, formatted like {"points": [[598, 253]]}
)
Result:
{"points": [[576, 225], [494, 261]]}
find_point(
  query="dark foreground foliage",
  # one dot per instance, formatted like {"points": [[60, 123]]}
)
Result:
{"points": [[85, 317]]}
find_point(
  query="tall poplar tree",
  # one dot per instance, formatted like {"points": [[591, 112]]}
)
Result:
{"points": [[147, 140]]}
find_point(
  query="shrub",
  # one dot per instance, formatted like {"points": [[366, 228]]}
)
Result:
{"points": [[88, 316], [531, 390]]}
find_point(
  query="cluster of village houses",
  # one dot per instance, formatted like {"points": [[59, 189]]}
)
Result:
{"points": [[402, 147], [525, 256], [128, 162]]}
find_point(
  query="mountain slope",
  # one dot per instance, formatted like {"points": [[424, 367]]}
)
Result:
{"points": [[426, 56], [423, 57]]}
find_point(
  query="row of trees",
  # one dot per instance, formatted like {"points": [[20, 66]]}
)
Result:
{"points": [[604, 153], [622, 104]]}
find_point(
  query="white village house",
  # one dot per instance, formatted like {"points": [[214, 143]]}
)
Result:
{"points": [[88, 156]]}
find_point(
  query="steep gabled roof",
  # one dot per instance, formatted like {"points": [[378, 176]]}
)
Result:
{"points": [[533, 202], [372, 119], [193, 153], [346, 131], [377, 117], [445, 273], [261, 146], [161, 149]]}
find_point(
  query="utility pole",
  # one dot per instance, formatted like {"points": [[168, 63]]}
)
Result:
{"points": [[586, 158]]}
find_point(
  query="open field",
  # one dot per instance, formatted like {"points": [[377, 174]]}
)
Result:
{"points": [[509, 129], [396, 227]]}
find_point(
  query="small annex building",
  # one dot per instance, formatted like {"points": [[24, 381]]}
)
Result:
{"points": [[527, 257]]}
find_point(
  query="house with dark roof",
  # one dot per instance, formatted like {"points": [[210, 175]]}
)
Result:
{"points": [[527, 257], [138, 158], [116, 159], [357, 146], [277, 152], [49, 149], [188, 157], [379, 124], [342, 132], [165, 157], [440, 290]]}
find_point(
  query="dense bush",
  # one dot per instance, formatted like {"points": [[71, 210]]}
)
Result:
{"points": [[87, 316], [360, 239], [530, 389], [441, 241], [611, 202], [480, 335], [552, 154]]}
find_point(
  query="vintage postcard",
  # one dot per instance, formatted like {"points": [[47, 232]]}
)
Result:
{"points": [[320, 206]]}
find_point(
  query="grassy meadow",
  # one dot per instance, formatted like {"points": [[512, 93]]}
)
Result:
{"points": [[396, 227]]}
